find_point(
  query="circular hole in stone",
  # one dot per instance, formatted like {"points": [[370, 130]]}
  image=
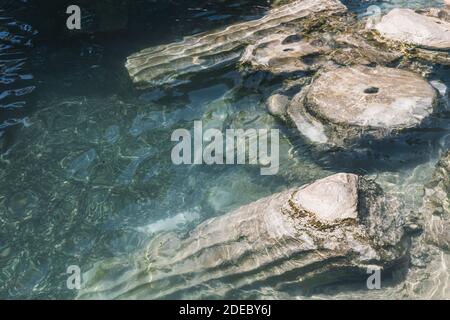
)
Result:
{"points": [[371, 90]]}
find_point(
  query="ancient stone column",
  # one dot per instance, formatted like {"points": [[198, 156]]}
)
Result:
{"points": [[173, 62], [328, 231]]}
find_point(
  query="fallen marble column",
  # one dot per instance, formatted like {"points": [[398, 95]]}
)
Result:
{"points": [[319, 234], [170, 63], [346, 104]]}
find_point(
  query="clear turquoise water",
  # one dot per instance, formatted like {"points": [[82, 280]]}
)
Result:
{"points": [[89, 177]]}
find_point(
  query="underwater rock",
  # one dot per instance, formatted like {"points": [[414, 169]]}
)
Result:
{"points": [[353, 49], [322, 233], [431, 282], [170, 223], [437, 205], [429, 273], [347, 103], [277, 104], [170, 63], [284, 53], [287, 52], [407, 26]]}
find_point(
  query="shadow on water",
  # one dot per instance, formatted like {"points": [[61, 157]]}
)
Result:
{"points": [[404, 152]]}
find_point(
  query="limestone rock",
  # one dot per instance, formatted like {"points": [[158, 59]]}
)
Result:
{"points": [[331, 199], [437, 205], [284, 53], [440, 13], [407, 26], [346, 102], [277, 104], [322, 233], [354, 49], [376, 97], [432, 283], [171, 63]]}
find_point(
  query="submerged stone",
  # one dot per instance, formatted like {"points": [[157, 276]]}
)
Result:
{"points": [[376, 97], [346, 102], [171, 63], [405, 25], [437, 205], [319, 234], [277, 104], [354, 49], [428, 277], [284, 53]]}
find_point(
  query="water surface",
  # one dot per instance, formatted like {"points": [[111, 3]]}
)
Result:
{"points": [[88, 175]]}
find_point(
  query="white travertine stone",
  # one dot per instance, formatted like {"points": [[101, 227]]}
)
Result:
{"points": [[407, 26], [378, 97], [283, 53], [277, 104], [299, 237], [331, 199]]}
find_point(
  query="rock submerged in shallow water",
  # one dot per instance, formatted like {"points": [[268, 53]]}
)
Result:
{"points": [[345, 103], [284, 53], [437, 205], [322, 233], [277, 104], [429, 274], [376, 97], [407, 26], [173, 62], [354, 49]]}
